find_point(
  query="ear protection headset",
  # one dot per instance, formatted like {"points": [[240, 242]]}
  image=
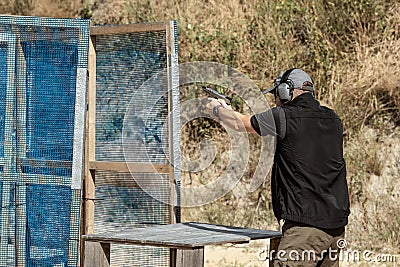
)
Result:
{"points": [[284, 87]]}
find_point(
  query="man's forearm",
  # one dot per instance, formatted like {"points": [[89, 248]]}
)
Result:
{"points": [[235, 120]]}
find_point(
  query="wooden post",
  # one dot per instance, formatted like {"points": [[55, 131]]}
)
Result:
{"points": [[273, 247], [97, 254], [87, 223], [187, 257]]}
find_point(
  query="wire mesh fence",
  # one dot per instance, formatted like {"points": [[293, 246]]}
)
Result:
{"points": [[43, 82], [133, 124], [42, 61]]}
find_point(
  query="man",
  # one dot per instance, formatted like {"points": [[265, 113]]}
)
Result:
{"points": [[309, 188]]}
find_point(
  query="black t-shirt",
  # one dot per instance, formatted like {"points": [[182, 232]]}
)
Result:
{"points": [[265, 124]]}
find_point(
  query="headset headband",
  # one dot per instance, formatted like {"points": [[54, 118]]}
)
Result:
{"points": [[285, 75]]}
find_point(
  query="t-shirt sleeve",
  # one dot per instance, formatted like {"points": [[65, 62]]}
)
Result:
{"points": [[270, 122]]}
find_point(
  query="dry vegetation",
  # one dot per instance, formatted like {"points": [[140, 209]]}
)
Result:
{"points": [[351, 49]]}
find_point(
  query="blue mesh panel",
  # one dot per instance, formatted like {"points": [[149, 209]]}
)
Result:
{"points": [[123, 63], [127, 205], [50, 78], [3, 88], [11, 216], [40, 59], [48, 224]]}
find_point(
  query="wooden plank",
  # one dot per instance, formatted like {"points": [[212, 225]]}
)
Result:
{"points": [[134, 242], [90, 145], [190, 257], [172, 197], [97, 254], [172, 257], [133, 167], [182, 229], [116, 180], [91, 99], [128, 28], [88, 194], [175, 239], [273, 248], [183, 235]]}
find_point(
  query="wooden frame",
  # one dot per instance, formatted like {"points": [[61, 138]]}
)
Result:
{"points": [[129, 28], [91, 165]]}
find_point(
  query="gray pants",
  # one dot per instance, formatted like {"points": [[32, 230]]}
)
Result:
{"points": [[306, 246]]}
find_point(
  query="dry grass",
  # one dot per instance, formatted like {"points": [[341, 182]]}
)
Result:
{"points": [[369, 86], [44, 8]]}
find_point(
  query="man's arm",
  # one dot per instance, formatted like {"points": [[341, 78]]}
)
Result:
{"points": [[271, 122], [233, 119]]}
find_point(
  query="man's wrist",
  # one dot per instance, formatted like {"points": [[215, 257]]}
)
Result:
{"points": [[215, 111]]}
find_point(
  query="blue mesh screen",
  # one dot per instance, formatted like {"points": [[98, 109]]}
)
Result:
{"points": [[122, 204], [50, 78], [48, 224], [128, 205], [40, 212], [3, 87], [123, 63]]}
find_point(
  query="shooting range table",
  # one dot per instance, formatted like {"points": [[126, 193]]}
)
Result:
{"points": [[185, 240]]}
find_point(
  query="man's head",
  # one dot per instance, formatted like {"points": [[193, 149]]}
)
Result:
{"points": [[290, 84]]}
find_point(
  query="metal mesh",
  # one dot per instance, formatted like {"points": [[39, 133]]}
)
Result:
{"points": [[124, 62], [3, 88], [120, 204], [48, 221], [40, 212]]}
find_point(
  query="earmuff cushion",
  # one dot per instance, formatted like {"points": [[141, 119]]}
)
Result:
{"points": [[285, 87]]}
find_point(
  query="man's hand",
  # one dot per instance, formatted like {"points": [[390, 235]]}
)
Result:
{"points": [[214, 105], [224, 104]]}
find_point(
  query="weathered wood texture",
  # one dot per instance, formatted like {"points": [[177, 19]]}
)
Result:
{"points": [[88, 194], [188, 257], [128, 28], [97, 254], [129, 167], [273, 248], [186, 240], [183, 235]]}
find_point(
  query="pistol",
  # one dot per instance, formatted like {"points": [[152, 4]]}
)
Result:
{"points": [[217, 95]]}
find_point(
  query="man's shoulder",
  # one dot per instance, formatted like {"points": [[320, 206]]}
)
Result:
{"points": [[278, 112], [329, 110]]}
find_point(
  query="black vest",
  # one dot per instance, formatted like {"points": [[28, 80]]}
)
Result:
{"points": [[309, 173]]}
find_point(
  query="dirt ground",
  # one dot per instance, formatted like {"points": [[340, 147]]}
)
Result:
{"points": [[251, 255], [241, 255]]}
